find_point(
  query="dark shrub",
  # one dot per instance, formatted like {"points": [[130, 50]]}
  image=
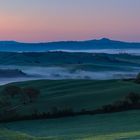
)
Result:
{"points": [[31, 93], [11, 91], [132, 98], [138, 78]]}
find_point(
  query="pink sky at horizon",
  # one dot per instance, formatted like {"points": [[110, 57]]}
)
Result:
{"points": [[46, 20]]}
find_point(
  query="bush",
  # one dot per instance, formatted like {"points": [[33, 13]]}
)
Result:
{"points": [[138, 78], [31, 93], [13, 98], [11, 91], [132, 98]]}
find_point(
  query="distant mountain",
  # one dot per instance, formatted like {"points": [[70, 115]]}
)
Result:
{"points": [[104, 43]]}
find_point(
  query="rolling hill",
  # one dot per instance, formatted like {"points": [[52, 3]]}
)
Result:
{"points": [[76, 94], [68, 65], [13, 46], [69, 59], [117, 126]]}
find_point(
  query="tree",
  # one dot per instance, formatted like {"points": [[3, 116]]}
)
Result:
{"points": [[138, 78], [31, 93], [13, 98], [12, 91], [133, 98]]}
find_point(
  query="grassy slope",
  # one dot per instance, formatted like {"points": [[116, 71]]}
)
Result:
{"points": [[63, 58], [100, 127], [77, 94]]}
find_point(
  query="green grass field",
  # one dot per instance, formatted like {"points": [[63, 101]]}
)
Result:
{"points": [[116, 126], [76, 94]]}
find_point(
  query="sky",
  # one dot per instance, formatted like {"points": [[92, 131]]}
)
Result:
{"points": [[54, 20]]}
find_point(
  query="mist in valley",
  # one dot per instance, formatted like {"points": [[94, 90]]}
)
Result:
{"points": [[106, 51], [57, 73]]}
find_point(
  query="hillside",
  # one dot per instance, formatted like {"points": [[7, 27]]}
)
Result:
{"points": [[12, 46], [66, 65], [65, 58], [75, 94], [117, 126]]}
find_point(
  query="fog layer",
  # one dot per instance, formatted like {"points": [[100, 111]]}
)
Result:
{"points": [[57, 73]]}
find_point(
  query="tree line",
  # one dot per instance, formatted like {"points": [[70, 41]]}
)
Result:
{"points": [[129, 102]]}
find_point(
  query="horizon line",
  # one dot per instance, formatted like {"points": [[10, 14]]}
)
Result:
{"points": [[57, 41]]}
